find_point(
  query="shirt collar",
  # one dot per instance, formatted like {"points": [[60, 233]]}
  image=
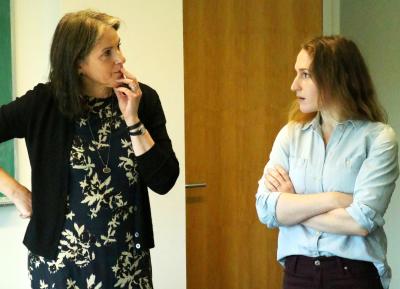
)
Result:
{"points": [[315, 123]]}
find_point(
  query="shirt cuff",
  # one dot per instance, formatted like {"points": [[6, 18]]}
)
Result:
{"points": [[365, 216], [266, 208]]}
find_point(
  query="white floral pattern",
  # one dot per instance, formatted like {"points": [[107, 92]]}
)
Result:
{"points": [[98, 226]]}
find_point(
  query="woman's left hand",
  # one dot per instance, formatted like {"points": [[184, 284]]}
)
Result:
{"points": [[278, 180], [128, 95]]}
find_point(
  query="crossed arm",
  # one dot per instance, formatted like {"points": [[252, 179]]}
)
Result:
{"points": [[320, 211]]}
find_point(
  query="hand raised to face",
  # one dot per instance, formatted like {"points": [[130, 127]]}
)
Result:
{"points": [[129, 95]]}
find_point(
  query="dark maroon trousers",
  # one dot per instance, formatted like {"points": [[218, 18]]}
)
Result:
{"points": [[303, 272]]}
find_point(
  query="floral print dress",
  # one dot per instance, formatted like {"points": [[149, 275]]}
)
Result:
{"points": [[96, 249]]}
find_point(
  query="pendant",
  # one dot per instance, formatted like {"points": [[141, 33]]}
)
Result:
{"points": [[106, 170]]}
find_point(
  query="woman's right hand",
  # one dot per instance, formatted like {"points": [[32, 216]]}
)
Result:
{"points": [[17, 193], [22, 199]]}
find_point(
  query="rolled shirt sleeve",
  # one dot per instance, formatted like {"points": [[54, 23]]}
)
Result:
{"points": [[375, 182], [265, 205], [265, 200]]}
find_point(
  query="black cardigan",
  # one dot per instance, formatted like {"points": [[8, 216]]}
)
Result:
{"points": [[48, 135]]}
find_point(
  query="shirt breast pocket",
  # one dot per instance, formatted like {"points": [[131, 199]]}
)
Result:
{"points": [[297, 173], [354, 162], [347, 171]]}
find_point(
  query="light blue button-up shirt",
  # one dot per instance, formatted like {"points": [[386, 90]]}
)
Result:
{"points": [[361, 159]]}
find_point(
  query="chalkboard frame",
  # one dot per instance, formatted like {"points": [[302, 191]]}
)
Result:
{"points": [[6, 148]]}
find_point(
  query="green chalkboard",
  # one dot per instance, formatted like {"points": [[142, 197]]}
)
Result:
{"points": [[7, 148]]}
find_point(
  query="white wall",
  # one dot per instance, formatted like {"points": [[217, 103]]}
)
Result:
{"points": [[374, 25], [331, 17], [152, 41]]}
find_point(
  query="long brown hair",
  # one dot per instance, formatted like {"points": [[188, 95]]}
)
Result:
{"points": [[75, 36], [341, 75]]}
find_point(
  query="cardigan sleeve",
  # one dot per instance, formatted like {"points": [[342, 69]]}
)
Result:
{"points": [[159, 166], [13, 118]]}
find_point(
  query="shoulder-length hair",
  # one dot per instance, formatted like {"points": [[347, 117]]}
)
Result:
{"points": [[74, 38], [341, 75]]}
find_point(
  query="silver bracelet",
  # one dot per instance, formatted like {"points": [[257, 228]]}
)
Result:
{"points": [[139, 131]]}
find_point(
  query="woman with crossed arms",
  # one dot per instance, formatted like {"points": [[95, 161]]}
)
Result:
{"points": [[331, 174]]}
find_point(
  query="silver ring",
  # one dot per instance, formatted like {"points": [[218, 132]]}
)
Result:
{"points": [[134, 87]]}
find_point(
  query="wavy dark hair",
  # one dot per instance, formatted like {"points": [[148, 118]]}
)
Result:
{"points": [[343, 80], [74, 38]]}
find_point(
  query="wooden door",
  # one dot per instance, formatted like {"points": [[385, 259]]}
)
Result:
{"points": [[239, 64]]}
